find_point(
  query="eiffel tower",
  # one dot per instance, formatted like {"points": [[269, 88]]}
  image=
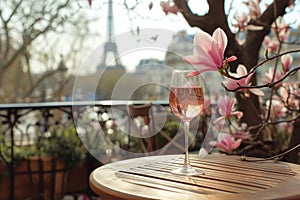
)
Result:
{"points": [[111, 72], [110, 45]]}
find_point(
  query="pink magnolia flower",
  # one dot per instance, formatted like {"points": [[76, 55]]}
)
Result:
{"points": [[254, 8], [277, 109], [232, 84], [271, 44], [169, 7], [227, 143], [282, 29], [269, 77], [241, 21], [290, 94], [286, 61], [208, 52], [226, 109]]}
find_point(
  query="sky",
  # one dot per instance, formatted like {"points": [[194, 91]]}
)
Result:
{"points": [[133, 46], [153, 22]]}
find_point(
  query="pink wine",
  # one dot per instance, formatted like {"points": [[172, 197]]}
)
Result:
{"points": [[186, 102]]}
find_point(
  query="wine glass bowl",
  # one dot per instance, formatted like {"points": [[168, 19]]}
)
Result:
{"points": [[186, 102]]}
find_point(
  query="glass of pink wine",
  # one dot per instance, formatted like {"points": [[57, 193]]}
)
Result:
{"points": [[186, 102]]}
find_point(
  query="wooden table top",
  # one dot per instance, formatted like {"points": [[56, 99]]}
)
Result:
{"points": [[226, 177]]}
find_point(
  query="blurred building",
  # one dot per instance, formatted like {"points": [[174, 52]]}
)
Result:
{"points": [[181, 45], [155, 79]]}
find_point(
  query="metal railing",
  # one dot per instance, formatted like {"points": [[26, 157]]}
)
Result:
{"points": [[26, 123]]}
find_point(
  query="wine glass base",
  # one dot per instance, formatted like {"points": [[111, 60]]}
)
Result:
{"points": [[187, 171]]}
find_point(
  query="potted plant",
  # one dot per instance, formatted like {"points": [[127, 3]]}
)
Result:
{"points": [[45, 165], [59, 152]]}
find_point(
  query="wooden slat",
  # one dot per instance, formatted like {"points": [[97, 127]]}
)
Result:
{"points": [[195, 181], [220, 175], [270, 166], [164, 184]]}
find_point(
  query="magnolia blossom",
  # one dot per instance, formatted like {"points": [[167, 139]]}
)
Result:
{"points": [[286, 61], [290, 94], [254, 8], [169, 7], [226, 143], [277, 109], [269, 77], [232, 84], [282, 29], [271, 44], [208, 52], [226, 107], [241, 21]]}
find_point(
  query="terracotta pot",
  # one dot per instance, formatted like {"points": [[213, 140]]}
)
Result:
{"points": [[77, 180], [35, 178], [47, 176], [22, 188]]}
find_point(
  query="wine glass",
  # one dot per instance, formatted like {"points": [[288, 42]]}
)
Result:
{"points": [[186, 102]]}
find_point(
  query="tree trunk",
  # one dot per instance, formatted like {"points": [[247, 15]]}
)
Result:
{"points": [[295, 140]]}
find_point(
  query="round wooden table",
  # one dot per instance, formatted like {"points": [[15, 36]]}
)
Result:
{"points": [[226, 177]]}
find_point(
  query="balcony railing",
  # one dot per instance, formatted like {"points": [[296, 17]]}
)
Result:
{"points": [[108, 130]]}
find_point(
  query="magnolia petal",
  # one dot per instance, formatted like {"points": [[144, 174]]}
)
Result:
{"points": [[248, 79], [232, 103], [220, 120], [239, 114], [215, 56], [222, 105], [231, 58], [230, 84], [192, 59], [222, 146], [257, 91], [241, 70], [220, 39], [236, 144], [286, 61], [204, 55], [203, 39], [228, 141], [267, 40], [254, 28], [197, 61]]}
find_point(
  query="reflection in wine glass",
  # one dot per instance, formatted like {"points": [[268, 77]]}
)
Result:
{"points": [[186, 102]]}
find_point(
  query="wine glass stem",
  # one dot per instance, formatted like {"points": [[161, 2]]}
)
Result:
{"points": [[186, 144]]}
